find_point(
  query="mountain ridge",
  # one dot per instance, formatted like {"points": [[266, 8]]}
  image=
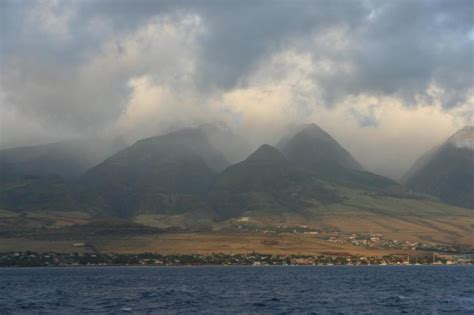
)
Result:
{"points": [[185, 172]]}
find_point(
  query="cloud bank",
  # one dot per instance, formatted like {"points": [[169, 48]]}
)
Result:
{"points": [[389, 79]]}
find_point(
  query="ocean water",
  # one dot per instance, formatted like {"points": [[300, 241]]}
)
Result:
{"points": [[224, 290]]}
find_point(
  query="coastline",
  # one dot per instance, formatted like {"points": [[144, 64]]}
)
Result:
{"points": [[54, 259]]}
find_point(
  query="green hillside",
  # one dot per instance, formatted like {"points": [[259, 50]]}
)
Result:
{"points": [[266, 182]]}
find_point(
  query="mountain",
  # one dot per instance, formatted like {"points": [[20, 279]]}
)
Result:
{"points": [[42, 177], [38, 193], [266, 182], [313, 149], [66, 159], [185, 175], [447, 171], [164, 174]]}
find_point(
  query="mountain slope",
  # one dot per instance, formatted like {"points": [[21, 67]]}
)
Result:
{"points": [[164, 174], [67, 159], [314, 150], [42, 177], [266, 182], [447, 172], [38, 193]]}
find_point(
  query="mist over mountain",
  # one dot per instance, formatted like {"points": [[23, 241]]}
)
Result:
{"points": [[43, 177], [234, 147], [447, 171], [66, 159]]}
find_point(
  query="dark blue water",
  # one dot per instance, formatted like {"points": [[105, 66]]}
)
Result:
{"points": [[322, 290]]}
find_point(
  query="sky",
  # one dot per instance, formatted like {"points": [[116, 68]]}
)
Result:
{"points": [[388, 79]]}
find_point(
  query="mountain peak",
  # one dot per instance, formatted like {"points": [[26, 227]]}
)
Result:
{"points": [[309, 131], [313, 148], [267, 153]]}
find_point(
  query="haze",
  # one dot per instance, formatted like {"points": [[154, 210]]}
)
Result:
{"points": [[388, 79]]}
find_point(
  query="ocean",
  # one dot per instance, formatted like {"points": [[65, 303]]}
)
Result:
{"points": [[244, 290]]}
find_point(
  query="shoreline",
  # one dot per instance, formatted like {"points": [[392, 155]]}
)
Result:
{"points": [[55, 259], [223, 266]]}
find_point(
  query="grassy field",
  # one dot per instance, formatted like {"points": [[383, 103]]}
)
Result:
{"points": [[360, 202]]}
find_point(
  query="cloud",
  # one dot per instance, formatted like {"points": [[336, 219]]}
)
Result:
{"points": [[365, 118], [50, 18], [140, 68], [91, 96]]}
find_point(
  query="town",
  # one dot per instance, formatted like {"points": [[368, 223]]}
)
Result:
{"points": [[366, 240], [51, 259]]}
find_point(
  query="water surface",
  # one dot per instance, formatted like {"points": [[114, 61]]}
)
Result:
{"points": [[217, 290]]}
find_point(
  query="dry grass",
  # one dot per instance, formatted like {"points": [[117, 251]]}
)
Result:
{"points": [[441, 229], [200, 243], [21, 244], [445, 230]]}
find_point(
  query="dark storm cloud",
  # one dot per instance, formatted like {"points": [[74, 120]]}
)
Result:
{"points": [[245, 32], [407, 45]]}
